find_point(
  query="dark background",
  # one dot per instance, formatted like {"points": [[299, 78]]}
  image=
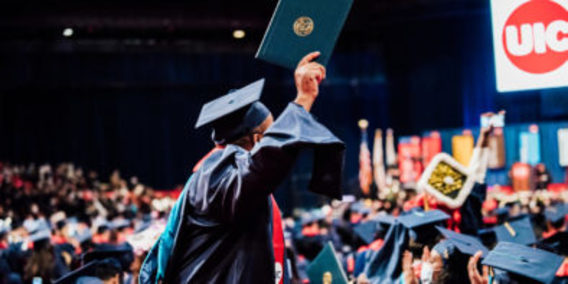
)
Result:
{"points": [[125, 90]]}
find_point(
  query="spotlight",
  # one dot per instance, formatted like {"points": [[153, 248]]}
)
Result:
{"points": [[67, 32], [239, 34]]}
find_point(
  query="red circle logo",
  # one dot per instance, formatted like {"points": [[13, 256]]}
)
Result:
{"points": [[535, 36]]}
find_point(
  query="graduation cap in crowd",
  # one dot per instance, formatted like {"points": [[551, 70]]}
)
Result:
{"points": [[556, 214], [385, 221], [467, 245], [102, 225], [83, 236], [519, 231], [312, 216], [367, 231], [522, 262], [359, 207], [124, 256], [422, 224], [557, 243], [119, 224], [94, 272], [326, 267], [234, 114], [88, 270]]}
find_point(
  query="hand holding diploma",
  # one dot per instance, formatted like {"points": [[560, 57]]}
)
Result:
{"points": [[308, 76]]}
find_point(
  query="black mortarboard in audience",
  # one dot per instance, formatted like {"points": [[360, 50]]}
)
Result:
{"points": [[86, 270], [422, 224], [466, 244], [367, 231], [557, 243], [124, 255], [556, 214], [518, 231], [523, 261]]}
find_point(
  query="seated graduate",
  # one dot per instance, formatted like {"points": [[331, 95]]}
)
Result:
{"points": [[225, 226]]}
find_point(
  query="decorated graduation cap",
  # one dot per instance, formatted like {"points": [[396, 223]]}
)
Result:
{"points": [[447, 180], [465, 244], [326, 267], [234, 114], [519, 231], [422, 224], [523, 261]]}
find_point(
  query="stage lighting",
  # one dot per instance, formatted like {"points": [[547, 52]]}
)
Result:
{"points": [[67, 32], [239, 34]]}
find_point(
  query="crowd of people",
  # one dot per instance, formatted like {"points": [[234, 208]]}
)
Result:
{"points": [[53, 220], [56, 220]]}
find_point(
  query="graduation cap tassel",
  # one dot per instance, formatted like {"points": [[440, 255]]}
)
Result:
{"points": [[510, 229]]}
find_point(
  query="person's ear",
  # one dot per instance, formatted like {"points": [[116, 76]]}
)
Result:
{"points": [[256, 137]]}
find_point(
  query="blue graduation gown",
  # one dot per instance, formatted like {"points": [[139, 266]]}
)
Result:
{"points": [[220, 229]]}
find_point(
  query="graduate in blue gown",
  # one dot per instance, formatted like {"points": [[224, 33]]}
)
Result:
{"points": [[225, 226]]}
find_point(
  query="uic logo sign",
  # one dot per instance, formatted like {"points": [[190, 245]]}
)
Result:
{"points": [[535, 36]]}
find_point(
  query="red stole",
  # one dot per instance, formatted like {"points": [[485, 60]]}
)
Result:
{"points": [[277, 241]]}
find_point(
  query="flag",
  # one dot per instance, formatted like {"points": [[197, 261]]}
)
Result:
{"points": [[391, 152], [365, 169], [378, 161]]}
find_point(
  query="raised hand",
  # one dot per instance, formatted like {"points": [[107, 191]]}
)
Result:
{"points": [[474, 276], [308, 76]]}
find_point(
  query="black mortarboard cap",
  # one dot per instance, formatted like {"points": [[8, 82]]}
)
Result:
{"points": [[421, 224], [326, 265], [525, 261], [555, 213], [557, 243], [519, 231], [466, 244], [123, 255], [86, 270], [385, 221], [234, 114]]}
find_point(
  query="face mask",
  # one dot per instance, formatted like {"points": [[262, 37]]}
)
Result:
{"points": [[426, 273]]}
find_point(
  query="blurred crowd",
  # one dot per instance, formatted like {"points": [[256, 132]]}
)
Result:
{"points": [[56, 220]]}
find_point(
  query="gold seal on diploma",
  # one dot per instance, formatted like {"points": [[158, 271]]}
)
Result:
{"points": [[327, 278], [303, 26]]}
